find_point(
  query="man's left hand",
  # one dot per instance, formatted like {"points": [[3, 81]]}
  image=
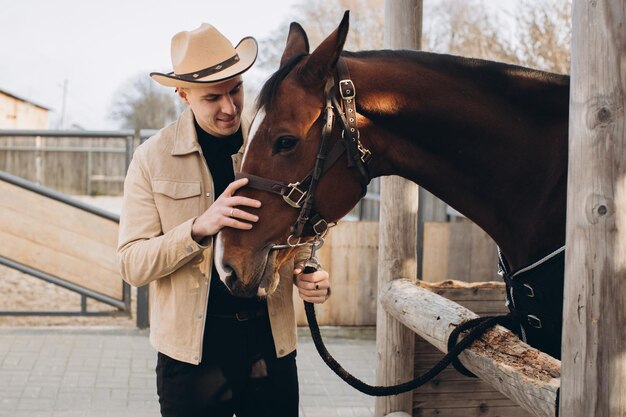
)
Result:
{"points": [[313, 287]]}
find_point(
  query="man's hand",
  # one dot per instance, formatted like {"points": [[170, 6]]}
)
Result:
{"points": [[223, 213], [313, 287]]}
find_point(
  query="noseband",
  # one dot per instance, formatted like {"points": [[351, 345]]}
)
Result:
{"points": [[300, 194]]}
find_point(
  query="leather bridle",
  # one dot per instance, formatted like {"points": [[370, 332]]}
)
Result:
{"points": [[301, 194]]}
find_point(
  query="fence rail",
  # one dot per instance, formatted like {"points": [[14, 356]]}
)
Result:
{"points": [[524, 374], [50, 236], [73, 162]]}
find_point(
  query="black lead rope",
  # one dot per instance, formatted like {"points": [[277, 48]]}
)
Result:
{"points": [[478, 325]]}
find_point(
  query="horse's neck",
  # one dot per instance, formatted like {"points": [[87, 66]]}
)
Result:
{"points": [[492, 153]]}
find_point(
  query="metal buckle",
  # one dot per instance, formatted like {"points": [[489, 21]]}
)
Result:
{"points": [[324, 227], [350, 92], [534, 321], [298, 203], [530, 293]]}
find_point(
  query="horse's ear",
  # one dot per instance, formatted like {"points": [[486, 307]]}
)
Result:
{"points": [[297, 43], [325, 56]]}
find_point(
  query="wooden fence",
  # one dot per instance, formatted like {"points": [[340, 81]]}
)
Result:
{"points": [[71, 162], [452, 251], [450, 393], [527, 376]]}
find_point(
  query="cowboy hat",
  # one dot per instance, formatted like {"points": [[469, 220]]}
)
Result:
{"points": [[204, 56]]}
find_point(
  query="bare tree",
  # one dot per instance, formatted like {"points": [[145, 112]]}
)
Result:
{"points": [[545, 35], [536, 35], [143, 104], [466, 28], [319, 18]]}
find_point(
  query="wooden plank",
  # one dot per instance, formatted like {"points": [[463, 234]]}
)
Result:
{"points": [[435, 259], [480, 411], [594, 341], [445, 402], [459, 251], [350, 254], [457, 290], [484, 256], [60, 240], [110, 165], [364, 287], [527, 376], [41, 232], [472, 253], [61, 265], [55, 212], [66, 172]]}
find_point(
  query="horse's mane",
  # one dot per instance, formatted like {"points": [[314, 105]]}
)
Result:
{"points": [[456, 61], [270, 88], [493, 73]]}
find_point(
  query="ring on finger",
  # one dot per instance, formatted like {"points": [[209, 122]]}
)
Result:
{"points": [[232, 212]]}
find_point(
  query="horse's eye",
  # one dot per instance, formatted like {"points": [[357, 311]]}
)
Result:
{"points": [[284, 144]]}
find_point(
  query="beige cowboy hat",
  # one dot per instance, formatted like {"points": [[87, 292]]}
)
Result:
{"points": [[204, 56]]}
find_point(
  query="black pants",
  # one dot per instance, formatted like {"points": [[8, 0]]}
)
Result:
{"points": [[239, 374]]}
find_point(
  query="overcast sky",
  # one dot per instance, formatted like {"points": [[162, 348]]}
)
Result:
{"points": [[97, 46]]}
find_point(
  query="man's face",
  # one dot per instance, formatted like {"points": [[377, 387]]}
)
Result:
{"points": [[217, 107]]}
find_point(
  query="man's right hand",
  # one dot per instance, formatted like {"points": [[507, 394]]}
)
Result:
{"points": [[223, 213]]}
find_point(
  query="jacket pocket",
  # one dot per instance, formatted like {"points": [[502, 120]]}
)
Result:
{"points": [[176, 190], [176, 201]]}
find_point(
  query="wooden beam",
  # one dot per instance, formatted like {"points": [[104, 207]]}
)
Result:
{"points": [[524, 374], [397, 252], [594, 313]]}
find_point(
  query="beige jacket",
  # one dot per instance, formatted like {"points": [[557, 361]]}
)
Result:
{"points": [[167, 186]]}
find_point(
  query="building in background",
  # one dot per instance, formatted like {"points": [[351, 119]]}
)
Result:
{"points": [[19, 113]]}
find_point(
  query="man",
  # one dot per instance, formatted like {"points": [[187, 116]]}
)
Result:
{"points": [[217, 354]]}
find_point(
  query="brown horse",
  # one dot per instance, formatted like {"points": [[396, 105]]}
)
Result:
{"points": [[489, 139]]}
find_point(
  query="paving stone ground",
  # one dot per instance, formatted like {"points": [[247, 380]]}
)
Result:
{"points": [[106, 372]]}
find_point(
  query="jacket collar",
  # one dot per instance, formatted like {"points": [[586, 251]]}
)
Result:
{"points": [[185, 138]]}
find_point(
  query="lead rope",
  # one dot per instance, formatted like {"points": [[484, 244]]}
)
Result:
{"points": [[478, 325]]}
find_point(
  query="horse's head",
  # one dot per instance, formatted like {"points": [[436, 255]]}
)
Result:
{"points": [[283, 144]]}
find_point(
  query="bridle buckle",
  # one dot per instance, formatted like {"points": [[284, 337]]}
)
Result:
{"points": [[320, 227], [346, 89], [293, 187]]}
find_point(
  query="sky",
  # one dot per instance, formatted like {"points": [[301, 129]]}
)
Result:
{"points": [[97, 46], [86, 50]]}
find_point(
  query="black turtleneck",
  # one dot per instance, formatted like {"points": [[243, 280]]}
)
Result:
{"points": [[217, 152]]}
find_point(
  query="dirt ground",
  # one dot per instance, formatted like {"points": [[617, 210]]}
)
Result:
{"points": [[22, 292]]}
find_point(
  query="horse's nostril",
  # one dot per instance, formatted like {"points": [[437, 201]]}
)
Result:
{"points": [[230, 280]]}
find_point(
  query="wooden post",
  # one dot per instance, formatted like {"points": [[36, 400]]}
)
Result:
{"points": [[397, 255], [594, 316]]}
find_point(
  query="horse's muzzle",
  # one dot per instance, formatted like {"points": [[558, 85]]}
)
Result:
{"points": [[247, 276]]}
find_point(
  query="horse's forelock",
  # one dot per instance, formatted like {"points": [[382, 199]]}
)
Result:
{"points": [[270, 88]]}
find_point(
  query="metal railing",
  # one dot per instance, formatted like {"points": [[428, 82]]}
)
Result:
{"points": [[123, 304], [131, 140]]}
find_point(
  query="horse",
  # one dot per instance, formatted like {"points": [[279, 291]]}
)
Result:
{"points": [[490, 139]]}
